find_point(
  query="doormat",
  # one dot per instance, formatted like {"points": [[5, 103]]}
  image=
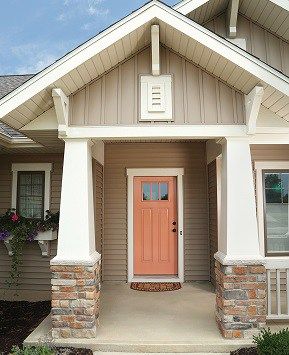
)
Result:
{"points": [[155, 286]]}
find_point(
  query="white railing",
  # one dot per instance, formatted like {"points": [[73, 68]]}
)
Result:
{"points": [[277, 289]]}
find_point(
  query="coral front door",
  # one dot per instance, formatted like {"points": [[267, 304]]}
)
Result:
{"points": [[155, 226]]}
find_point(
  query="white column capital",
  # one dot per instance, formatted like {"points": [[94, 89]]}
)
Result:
{"points": [[225, 140]]}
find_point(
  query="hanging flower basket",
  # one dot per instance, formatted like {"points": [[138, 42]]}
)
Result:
{"points": [[16, 231]]}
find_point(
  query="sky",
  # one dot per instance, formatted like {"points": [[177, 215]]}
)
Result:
{"points": [[35, 33]]}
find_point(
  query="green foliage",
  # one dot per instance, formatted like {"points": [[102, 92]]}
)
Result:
{"points": [[269, 343], [32, 350], [22, 229]]}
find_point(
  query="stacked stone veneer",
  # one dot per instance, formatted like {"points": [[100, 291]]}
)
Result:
{"points": [[75, 300], [241, 299]]}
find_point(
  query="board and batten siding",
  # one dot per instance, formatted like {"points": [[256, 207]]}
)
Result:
{"points": [[191, 157], [198, 97], [213, 217], [35, 272], [263, 44]]}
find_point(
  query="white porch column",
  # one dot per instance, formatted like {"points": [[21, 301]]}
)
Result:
{"points": [[240, 273], [76, 237], [238, 239]]}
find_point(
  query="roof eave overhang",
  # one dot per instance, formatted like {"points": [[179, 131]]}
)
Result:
{"points": [[149, 12], [185, 7]]}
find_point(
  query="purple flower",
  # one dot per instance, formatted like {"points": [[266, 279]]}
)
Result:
{"points": [[31, 236], [4, 234]]}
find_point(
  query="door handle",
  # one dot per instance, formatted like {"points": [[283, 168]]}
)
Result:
{"points": [[174, 230]]}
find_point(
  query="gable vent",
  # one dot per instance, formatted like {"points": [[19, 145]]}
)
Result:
{"points": [[156, 98]]}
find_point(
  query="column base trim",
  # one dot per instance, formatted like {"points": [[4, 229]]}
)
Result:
{"points": [[90, 261], [227, 260]]}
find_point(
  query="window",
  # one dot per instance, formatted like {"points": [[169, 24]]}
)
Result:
{"points": [[30, 194], [31, 188], [275, 192], [155, 191]]}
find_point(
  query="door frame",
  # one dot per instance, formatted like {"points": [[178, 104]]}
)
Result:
{"points": [[178, 173]]}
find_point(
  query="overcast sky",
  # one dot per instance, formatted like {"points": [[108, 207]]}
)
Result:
{"points": [[34, 33]]}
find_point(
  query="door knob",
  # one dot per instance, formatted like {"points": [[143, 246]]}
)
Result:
{"points": [[174, 230], [174, 223]]}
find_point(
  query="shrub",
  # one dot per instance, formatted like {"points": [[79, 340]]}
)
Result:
{"points": [[269, 343], [32, 350]]}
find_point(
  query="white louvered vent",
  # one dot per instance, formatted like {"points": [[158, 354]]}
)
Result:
{"points": [[156, 98]]}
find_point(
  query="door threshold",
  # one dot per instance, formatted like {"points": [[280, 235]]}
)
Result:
{"points": [[156, 278]]}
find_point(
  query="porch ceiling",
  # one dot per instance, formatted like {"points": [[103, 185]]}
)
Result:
{"points": [[77, 69]]}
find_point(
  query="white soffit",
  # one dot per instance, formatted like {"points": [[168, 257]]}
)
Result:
{"points": [[127, 37], [271, 14]]}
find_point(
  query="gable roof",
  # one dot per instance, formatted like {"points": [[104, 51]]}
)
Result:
{"points": [[100, 54], [271, 14]]}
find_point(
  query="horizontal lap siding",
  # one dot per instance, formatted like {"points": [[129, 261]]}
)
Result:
{"points": [[213, 217], [98, 203], [119, 157], [35, 274], [198, 97]]}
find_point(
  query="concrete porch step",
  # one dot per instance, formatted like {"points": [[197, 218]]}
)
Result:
{"points": [[114, 353]]}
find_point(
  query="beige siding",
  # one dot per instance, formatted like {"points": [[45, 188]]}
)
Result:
{"points": [[270, 48], [98, 203], [191, 156], [35, 273], [270, 152], [199, 98], [213, 217]]}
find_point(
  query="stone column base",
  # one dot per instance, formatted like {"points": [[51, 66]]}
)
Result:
{"points": [[240, 299], [75, 300]]}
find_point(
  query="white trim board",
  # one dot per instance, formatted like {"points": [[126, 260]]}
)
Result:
{"points": [[178, 172], [46, 167], [151, 11], [259, 167]]}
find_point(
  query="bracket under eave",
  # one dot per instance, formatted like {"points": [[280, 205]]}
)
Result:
{"points": [[232, 17], [252, 107]]}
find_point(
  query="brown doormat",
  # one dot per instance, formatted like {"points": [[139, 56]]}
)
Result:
{"points": [[155, 286]]}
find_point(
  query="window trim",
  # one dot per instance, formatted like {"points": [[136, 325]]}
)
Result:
{"points": [[261, 167], [19, 173], [32, 167]]}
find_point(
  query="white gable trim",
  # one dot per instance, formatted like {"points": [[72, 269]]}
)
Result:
{"points": [[153, 10], [187, 6]]}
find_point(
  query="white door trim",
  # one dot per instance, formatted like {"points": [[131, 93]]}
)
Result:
{"points": [[178, 172]]}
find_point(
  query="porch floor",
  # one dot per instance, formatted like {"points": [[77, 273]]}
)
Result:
{"points": [[133, 321], [181, 321]]}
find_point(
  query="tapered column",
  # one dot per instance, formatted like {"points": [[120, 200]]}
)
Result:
{"points": [[76, 267], [240, 274]]}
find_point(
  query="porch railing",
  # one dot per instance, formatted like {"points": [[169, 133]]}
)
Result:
{"points": [[277, 290]]}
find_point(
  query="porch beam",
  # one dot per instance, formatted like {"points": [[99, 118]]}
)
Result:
{"points": [[155, 45], [232, 17], [156, 132], [252, 106]]}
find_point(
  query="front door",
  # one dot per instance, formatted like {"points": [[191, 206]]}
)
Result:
{"points": [[155, 226]]}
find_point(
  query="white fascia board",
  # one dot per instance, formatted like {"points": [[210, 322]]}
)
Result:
{"points": [[282, 3], [187, 6], [156, 132], [151, 11]]}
